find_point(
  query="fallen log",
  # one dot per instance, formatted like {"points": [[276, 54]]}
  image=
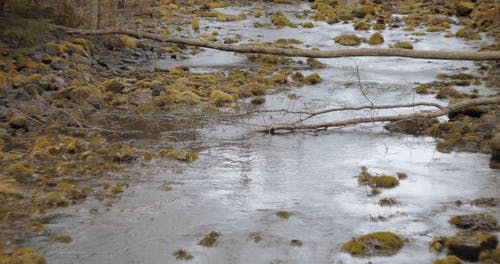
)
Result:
{"points": [[442, 111], [249, 48]]}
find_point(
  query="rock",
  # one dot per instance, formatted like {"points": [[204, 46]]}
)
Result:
{"points": [[468, 244], [374, 244], [486, 202], [18, 122], [476, 222], [490, 256]]}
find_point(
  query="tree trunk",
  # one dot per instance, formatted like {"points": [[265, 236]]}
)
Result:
{"points": [[417, 54]]}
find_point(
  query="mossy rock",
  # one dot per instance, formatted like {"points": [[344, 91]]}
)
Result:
{"points": [[220, 98], [476, 222], [361, 25], [376, 39], [468, 244], [312, 79], [348, 40], [374, 244], [18, 122], [403, 45], [209, 240], [448, 260]]}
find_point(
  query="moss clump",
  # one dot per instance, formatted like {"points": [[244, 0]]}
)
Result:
{"points": [[22, 256], [21, 172], [255, 88], [61, 238], [190, 98], [402, 175], [374, 244], [448, 260], [296, 243], [256, 237], [348, 40], [209, 240], [284, 214], [182, 254], [315, 64], [308, 24], [53, 199], [403, 45], [258, 100], [128, 42], [312, 79], [220, 98], [195, 23], [383, 181], [282, 21], [376, 39], [361, 25], [184, 156], [113, 86], [72, 191], [363, 11], [467, 33]]}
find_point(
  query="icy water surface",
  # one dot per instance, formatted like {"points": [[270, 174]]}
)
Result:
{"points": [[243, 178]]}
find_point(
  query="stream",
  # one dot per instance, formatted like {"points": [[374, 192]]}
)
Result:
{"points": [[243, 178]]}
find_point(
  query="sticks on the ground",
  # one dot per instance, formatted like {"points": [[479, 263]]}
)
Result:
{"points": [[443, 110], [418, 54]]}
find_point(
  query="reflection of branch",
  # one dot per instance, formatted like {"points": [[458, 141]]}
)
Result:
{"points": [[443, 110]]}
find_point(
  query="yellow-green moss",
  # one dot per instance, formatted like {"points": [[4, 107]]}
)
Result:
{"points": [[61, 239], [258, 100], [467, 33], [53, 199], [10, 188], [403, 45], [308, 24], [72, 191], [22, 256], [376, 39], [361, 25], [490, 256], [186, 156], [182, 254], [312, 79], [220, 98], [128, 41], [383, 181], [348, 40], [195, 23], [282, 21], [374, 244], [209, 240], [284, 214], [448, 260]]}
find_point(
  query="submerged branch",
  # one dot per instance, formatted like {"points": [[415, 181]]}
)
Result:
{"points": [[431, 114], [248, 48]]}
